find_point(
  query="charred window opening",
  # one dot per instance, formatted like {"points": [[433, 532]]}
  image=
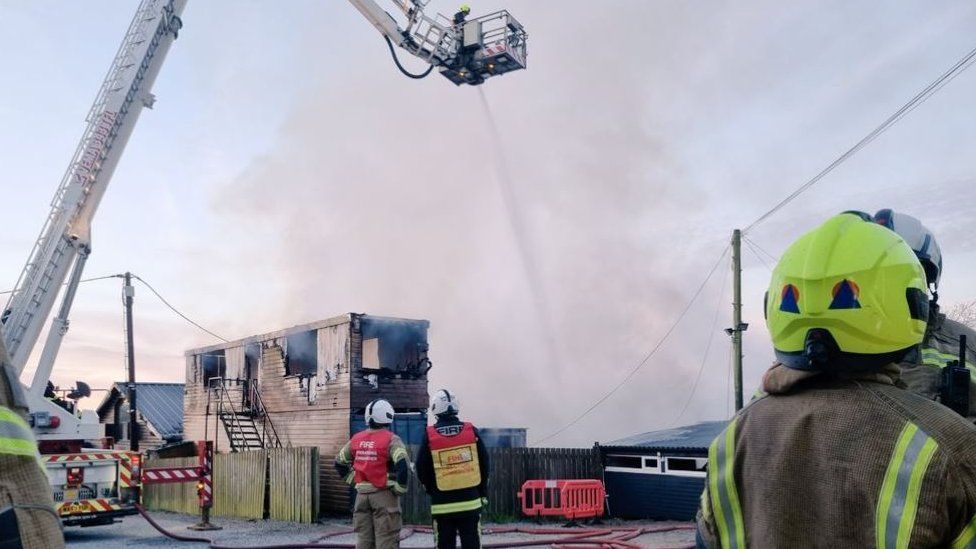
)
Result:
{"points": [[302, 355], [213, 364], [252, 360], [394, 348]]}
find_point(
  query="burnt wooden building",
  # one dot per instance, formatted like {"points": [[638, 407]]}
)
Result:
{"points": [[307, 386]]}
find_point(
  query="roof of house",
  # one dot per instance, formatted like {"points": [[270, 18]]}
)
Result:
{"points": [[690, 437], [161, 404]]}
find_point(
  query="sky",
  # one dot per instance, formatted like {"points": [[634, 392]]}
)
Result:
{"points": [[288, 173]]}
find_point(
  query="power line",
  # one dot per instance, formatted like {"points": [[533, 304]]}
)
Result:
{"points": [[82, 280], [912, 104], [647, 357], [708, 348], [760, 248], [151, 289], [175, 310], [755, 252]]}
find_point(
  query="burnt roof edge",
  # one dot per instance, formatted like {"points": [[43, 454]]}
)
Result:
{"points": [[317, 325]]}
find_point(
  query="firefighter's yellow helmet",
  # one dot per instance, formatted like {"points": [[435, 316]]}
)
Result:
{"points": [[848, 295]]}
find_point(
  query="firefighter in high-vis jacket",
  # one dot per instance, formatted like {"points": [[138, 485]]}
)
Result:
{"points": [[452, 464], [836, 454], [27, 517], [376, 462], [923, 368]]}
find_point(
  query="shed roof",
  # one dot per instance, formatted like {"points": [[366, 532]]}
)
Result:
{"points": [[690, 437], [161, 404]]}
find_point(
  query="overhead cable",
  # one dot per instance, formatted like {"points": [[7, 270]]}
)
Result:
{"points": [[82, 280], [648, 356], [175, 310], [708, 348], [908, 107], [755, 252]]}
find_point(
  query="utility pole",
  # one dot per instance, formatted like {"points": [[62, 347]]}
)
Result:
{"points": [[737, 325], [127, 294]]}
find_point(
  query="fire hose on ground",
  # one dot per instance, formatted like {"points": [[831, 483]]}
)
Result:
{"points": [[587, 538]]}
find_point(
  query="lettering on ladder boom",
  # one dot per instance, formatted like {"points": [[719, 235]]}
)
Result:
{"points": [[97, 145]]}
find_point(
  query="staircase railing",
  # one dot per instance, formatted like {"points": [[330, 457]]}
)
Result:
{"points": [[251, 406], [258, 403], [219, 385]]}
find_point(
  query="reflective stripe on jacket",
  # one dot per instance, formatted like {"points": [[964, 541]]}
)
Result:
{"points": [[15, 435], [922, 368], [444, 434], [455, 458], [808, 467]]}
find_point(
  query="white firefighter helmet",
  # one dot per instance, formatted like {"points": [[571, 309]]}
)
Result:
{"points": [[444, 402], [919, 238], [380, 412]]}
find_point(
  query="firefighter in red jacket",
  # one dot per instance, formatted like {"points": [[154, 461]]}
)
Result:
{"points": [[376, 462], [452, 464]]}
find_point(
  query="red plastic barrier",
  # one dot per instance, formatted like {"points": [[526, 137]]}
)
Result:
{"points": [[572, 499]]}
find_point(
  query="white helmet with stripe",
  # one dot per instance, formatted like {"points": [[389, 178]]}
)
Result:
{"points": [[380, 412], [919, 238], [444, 402]]}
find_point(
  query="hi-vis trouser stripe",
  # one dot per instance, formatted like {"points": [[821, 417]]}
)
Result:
{"points": [[721, 490], [457, 507], [902, 485], [15, 435], [967, 539]]}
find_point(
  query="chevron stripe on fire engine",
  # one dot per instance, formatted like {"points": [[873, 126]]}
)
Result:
{"points": [[125, 472], [85, 506]]}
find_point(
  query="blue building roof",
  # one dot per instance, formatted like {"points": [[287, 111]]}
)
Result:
{"points": [[690, 437], [160, 403]]}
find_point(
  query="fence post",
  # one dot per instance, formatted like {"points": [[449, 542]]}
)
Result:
{"points": [[205, 486]]}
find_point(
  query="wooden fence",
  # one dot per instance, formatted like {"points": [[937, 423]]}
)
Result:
{"points": [[293, 490], [510, 467], [179, 497], [284, 484], [241, 482]]}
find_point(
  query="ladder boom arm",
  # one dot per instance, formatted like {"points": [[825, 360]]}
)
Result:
{"points": [[66, 231]]}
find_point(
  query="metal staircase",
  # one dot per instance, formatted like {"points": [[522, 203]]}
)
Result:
{"points": [[246, 422]]}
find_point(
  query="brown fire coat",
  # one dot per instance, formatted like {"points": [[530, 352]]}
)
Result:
{"points": [[822, 461], [922, 369], [23, 483]]}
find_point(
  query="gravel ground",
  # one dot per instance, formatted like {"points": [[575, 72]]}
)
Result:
{"points": [[134, 531]]}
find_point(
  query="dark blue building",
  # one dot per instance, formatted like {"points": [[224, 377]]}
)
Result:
{"points": [[658, 475], [503, 437], [408, 426]]}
